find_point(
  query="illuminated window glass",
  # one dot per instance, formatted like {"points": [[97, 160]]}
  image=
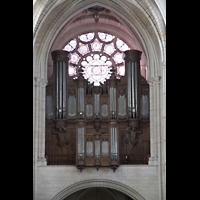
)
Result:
{"points": [[96, 69], [97, 53], [122, 46], [74, 58], [71, 70], [96, 45], [109, 48], [71, 45], [121, 70], [105, 37], [118, 58], [86, 37], [83, 49]]}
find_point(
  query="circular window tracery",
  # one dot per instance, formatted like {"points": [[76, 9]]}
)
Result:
{"points": [[97, 53]]}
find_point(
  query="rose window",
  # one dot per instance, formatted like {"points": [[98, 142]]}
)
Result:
{"points": [[96, 53]]}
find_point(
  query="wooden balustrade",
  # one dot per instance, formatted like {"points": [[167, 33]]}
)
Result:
{"points": [[61, 159], [124, 159], [133, 159]]}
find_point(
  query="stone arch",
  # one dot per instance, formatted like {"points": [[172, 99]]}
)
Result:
{"points": [[102, 190], [55, 14], [98, 183], [143, 18]]}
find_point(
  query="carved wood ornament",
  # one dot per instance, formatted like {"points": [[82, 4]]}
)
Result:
{"points": [[133, 132], [133, 135], [60, 132]]}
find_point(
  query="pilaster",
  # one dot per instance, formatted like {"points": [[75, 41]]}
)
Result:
{"points": [[155, 124], [39, 133]]}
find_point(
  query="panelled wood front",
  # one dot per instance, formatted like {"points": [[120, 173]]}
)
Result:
{"points": [[131, 134]]}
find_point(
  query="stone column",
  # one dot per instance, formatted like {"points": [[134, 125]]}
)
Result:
{"points": [[60, 59], [39, 133], [132, 66], [154, 119]]}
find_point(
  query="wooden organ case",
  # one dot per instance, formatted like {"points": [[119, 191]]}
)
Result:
{"points": [[104, 125]]}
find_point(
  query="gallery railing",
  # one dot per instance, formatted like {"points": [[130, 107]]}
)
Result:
{"points": [[124, 159], [61, 159], [133, 159]]}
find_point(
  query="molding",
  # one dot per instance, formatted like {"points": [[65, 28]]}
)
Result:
{"points": [[132, 55], [40, 82], [98, 183], [153, 80]]}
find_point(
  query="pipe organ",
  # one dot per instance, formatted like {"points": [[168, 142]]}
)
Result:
{"points": [[97, 125]]}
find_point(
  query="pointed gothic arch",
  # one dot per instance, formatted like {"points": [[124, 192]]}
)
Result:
{"points": [[144, 19]]}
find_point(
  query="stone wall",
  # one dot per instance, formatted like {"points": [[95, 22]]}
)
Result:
{"points": [[142, 179]]}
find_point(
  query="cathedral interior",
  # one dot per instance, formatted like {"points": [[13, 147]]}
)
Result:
{"points": [[99, 95]]}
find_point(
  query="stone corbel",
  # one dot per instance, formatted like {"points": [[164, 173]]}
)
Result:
{"points": [[40, 82], [43, 83], [153, 80]]}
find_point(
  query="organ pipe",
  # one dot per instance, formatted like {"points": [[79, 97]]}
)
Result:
{"points": [[132, 62], [60, 59]]}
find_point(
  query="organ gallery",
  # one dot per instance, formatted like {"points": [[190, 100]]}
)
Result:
{"points": [[97, 105]]}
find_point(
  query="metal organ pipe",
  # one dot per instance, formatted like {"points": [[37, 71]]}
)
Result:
{"points": [[81, 143], [97, 106], [57, 86], [132, 60], [60, 59], [113, 138], [60, 111], [80, 103], [113, 107], [64, 90]]}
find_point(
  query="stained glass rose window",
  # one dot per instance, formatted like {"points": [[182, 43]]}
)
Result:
{"points": [[97, 53]]}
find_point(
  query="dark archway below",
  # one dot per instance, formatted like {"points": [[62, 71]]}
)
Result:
{"points": [[98, 193]]}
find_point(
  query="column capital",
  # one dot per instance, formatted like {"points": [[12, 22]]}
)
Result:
{"points": [[153, 80], [60, 55], [132, 55], [40, 82]]}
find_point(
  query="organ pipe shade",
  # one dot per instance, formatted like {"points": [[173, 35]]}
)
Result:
{"points": [[104, 111], [105, 148], [122, 107], [89, 111], [71, 107], [89, 149]]}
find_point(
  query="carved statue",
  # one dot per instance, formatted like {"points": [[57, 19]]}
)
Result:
{"points": [[61, 135], [133, 132]]}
